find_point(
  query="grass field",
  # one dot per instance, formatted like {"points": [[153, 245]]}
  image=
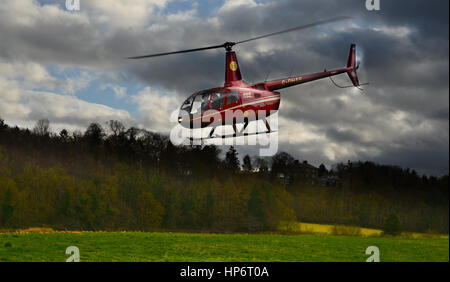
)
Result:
{"points": [[141, 246]]}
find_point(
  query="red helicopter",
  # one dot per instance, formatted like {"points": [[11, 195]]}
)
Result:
{"points": [[231, 103]]}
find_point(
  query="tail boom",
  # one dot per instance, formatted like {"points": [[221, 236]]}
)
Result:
{"points": [[296, 80]]}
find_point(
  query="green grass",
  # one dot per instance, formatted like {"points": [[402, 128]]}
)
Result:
{"points": [[141, 246]]}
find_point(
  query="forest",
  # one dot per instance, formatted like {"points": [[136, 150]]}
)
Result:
{"points": [[115, 178]]}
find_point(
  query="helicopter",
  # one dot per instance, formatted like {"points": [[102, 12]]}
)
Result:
{"points": [[231, 103]]}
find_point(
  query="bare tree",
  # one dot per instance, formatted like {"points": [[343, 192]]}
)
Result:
{"points": [[42, 127], [260, 164], [116, 127], [2, 124]]}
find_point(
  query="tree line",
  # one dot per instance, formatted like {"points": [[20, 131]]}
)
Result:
{"points": [[116, 178]]}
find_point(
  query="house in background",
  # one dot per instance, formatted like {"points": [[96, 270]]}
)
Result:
{"points": [[300, 172]]}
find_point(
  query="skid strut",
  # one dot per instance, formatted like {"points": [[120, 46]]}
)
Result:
{"points": [[212, 132], [235, 130], [242, 129], [267, 125]]}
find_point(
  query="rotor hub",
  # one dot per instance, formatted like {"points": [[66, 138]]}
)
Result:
{"points": [[229, 46]]}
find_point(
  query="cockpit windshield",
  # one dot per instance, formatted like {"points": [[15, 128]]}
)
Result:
{"points": [[197, 102], [187, 104]]}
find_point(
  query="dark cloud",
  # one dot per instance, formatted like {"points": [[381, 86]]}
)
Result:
{"points": [[430, 161]]}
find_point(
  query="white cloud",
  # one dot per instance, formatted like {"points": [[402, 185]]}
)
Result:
{"points": [[36, 76], [27, 13], [21, 104], [182, 16], [155, 108], [230, 5], [124, 13], [401, 32], [31, 73]]}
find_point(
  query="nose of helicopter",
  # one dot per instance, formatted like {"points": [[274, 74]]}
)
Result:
{"points": [[184, 119], [190, 121]]}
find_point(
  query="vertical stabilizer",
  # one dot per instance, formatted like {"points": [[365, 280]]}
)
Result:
{"points": [[232, 71], [351, 64]]}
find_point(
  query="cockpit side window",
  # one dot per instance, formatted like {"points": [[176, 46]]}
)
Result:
{"points": [[260, 86], [205, 101], [217, 100], [233, 97], [196, 104], [201, 101]]}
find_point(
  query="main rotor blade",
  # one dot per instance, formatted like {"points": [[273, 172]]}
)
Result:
{"points": [[296, 28], [178, 52], [228, 45]]}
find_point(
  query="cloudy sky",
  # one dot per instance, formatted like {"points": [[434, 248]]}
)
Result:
{"points": [[68, 66]]}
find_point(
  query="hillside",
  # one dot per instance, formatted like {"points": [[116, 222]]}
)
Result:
{"points": [[132, 179]]}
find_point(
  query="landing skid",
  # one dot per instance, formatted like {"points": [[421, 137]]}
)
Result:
{"points": [[230, 136], [237, 133]]}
